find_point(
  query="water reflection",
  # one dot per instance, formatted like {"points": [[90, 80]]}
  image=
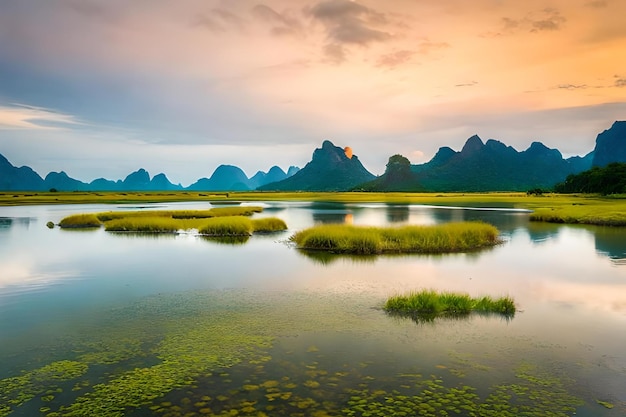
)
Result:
{"points": [[540, 232], [226, 240], [327, 258], [397, 213], [8, 222], [5, 223], [610, 242], [328, 213]]}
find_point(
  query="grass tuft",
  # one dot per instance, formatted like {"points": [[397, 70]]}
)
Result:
{"points": [[432, 303], [269, 225], [80, 221], [227, 226]]}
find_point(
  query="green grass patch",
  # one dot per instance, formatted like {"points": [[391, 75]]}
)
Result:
{"points": [[182, 214], [430, 303], [144, 224], [268, 225], [80, 221], [604, 215], [227, 226], [444, 238]]}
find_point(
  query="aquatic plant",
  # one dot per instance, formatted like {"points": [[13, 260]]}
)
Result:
{"points": [[448, 237], [432, 303], [80, 221]]}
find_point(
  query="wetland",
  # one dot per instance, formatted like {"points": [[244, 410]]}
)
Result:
{"points": [[118, 324]]}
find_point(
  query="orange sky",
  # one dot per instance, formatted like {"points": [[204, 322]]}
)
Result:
{"points": [[208, 82]]}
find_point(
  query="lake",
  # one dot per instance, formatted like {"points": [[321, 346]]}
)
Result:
{"points": [[94, 323]]}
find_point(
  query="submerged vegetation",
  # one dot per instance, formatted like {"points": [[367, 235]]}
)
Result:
{"points": [[428, 304], [222, 221], [449, 237], [231, 353]]}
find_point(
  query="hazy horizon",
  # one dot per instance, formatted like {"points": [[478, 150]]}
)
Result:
{"points": [[101, 89]]}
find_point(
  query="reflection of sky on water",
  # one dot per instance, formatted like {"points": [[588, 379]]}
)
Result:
{"points": [[537, 263]]}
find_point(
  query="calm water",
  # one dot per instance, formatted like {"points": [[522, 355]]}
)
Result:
{"points": [[85, 315]]}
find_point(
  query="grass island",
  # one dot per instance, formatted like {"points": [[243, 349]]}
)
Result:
{"points": [[222, 221], [442, 238]]}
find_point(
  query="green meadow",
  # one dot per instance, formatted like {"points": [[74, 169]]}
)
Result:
{"points": [[443, 238], [561, 208]]}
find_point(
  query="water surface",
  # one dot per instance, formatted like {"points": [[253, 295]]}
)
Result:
{"points": [[261, 327]]}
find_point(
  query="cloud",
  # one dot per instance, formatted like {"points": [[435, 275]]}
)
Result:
{"points": [[572, 86], [548, 19], [19, 116], [348, 22], [597, 4], [395, 59], [426, 47], [620, 81], [335, 54], [469, 84], [282, 23]]}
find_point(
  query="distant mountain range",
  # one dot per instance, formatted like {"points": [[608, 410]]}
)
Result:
{"points": [[479, 166], [490, 166], [224, 178]]}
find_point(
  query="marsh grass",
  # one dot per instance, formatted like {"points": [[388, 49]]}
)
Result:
{"points": [[80, 221], [145, 224], [182, 214], [227, 226], [604, 215], [444, 238], [598, 209], [428, 304], [269, 225]]}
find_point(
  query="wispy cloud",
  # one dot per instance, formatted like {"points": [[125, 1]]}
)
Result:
{"points": [[548, 19], [219, 20], [281, 23], [395, 59], [572, 86], [597, 4], [20, 116], [620, 81]]}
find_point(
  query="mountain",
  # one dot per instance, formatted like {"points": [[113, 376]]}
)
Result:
{"points": [[160, 182], [490, 166], [330, 169], [60, 181], [610, 145], [397, 177], [19, 179], [262, 178], [224, 178]]}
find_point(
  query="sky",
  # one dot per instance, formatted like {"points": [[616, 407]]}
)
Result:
{"points": [[101, 88]]}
